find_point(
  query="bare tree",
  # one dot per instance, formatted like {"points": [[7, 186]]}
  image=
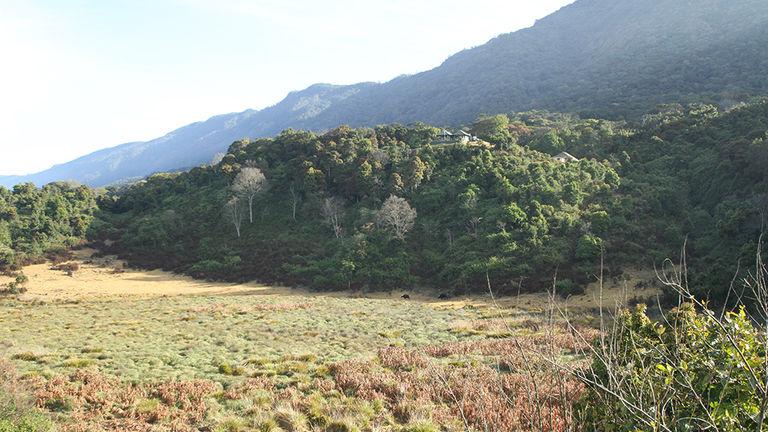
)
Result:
{"points": [[333, 211], [396, 216], [295, 201], [249, 183], [234, 211]]}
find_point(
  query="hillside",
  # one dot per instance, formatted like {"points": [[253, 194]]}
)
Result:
{"points": [[601, 58], [511, 213]]}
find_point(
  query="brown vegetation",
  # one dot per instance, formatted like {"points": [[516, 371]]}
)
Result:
{"points": [[492, 384]]}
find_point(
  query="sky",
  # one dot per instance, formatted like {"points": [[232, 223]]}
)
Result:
{"points": [[77, 76]]}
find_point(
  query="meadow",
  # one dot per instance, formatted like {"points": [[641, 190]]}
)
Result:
{"points": [[119, 349]]}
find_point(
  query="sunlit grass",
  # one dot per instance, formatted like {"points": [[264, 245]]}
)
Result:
{"points": [[279, 362], [188, 337]]}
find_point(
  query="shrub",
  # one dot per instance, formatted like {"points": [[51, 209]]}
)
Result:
{"points": [[78, 362], [149, 409], [26, 356], [290, 420], [17, 413], [58, 404], [340, 426], [58, 256], [68, 268], [231, 425], [269, 425], [567, 287], [17, 286], [693, 371], [228, 369], [30, 422]]}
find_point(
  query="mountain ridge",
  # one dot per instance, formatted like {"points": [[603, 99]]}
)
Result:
{"points": [[603, 58]]}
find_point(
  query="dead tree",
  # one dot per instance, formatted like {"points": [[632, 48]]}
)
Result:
{"points": [[250, 181], [396, 216], [235, 213], [333, 212]]}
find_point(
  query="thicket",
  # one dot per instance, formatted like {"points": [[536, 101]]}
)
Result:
{"points": [[35, 221], [694, 368], [17, 413]]}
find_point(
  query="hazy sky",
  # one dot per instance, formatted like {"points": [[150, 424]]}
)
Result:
{"points": [[77, 75]]}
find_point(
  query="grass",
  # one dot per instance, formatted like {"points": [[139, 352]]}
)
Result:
{"points": [[192, 337], [255, 361]]}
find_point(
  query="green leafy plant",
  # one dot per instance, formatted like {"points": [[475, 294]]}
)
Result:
{"points": [[692, 370]]}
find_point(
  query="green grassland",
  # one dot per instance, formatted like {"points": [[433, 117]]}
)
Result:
{"points": [[188, 337], [276, 362]]}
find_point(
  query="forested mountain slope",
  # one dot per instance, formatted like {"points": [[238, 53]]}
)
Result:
{"points": [[508, 211], [600, 58]]}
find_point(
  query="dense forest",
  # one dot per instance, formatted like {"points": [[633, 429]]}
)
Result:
{"points": [[511, 212], [34, 221], [604, 58], [393, 207]]}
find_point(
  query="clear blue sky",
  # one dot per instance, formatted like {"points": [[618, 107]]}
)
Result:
{"points": [[78, 75]]}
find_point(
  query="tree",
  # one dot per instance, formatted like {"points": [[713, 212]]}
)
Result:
{"points": [[250, 181], [294, 201], [396, 216], [494, 129], [233, 209], [333, 211]]}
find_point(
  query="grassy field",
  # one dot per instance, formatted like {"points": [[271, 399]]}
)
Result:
{"points": [[108, 349]]}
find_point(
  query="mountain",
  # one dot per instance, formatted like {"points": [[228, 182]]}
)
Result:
{"points": [[191, 145], [606, 58]]}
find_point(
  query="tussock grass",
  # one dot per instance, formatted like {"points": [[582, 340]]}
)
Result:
{"points": [[143, 339], [271, 362]]}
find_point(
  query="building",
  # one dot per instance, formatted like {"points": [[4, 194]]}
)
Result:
{"points": [[565, 157], [460, 136]]}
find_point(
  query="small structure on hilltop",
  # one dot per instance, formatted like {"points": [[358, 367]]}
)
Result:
{"points": [[565, 157], [459, 136]]}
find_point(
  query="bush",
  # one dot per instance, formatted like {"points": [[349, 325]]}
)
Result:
{"points": [[58, 256], [704, 372], [78, 362], [58, 404], [340, 426], [228, 369], [567, 287], [231, 425], [68, 268], [31, 422], [26, 356], [17, 286]]}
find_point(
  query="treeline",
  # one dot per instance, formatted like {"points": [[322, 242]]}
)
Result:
{"points": [[34, 221]]}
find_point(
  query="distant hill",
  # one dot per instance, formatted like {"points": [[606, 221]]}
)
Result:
{"points": [[191, 145], [606, 58]]}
